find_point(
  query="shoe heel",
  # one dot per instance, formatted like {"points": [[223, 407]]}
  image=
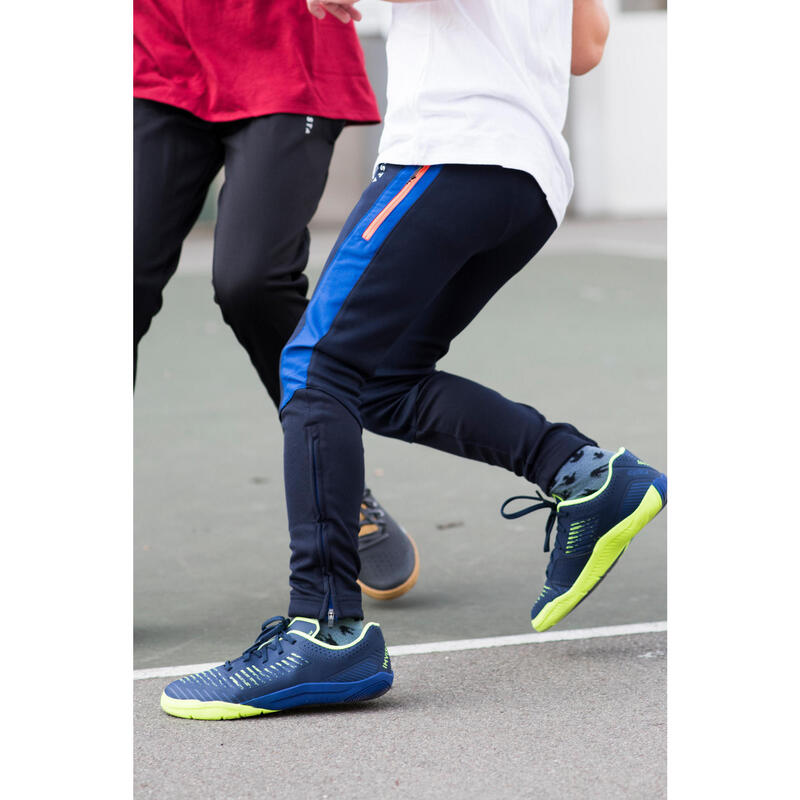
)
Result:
{"points": [[376, 686], [660, 484]]}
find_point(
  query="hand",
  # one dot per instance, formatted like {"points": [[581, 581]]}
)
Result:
{"points": [[343, 10]]}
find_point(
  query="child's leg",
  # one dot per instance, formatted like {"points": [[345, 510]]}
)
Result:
{"points": [[400, 250], [606, 498], [407, 398]]}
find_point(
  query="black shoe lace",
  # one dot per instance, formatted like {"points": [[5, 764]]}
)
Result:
{"points": [[552, 505], [371, 511], [372, 514], [275, 628]]}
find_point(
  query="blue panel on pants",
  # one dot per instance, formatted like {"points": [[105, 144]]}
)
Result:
{"points": [[344, 271]]}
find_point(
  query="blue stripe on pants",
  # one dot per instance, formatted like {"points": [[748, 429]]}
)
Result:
{"points": [[341, 275]]}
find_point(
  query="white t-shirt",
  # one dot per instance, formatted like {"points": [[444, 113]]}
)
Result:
{"points": [[481, 82]]}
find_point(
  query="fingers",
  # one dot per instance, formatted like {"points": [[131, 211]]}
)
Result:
{"points": [[353, 11], [344, 13], [315, 7], [343, 10], [336, 11]]}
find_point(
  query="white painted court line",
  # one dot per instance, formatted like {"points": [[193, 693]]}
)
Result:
{"points": [[449, 647], [527, 638]]}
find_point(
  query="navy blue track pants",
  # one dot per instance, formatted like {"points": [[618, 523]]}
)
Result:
{"points": [[420, 255]]}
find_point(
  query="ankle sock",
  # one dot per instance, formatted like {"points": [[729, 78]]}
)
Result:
{"points": [[582, 474], [343, 631]]}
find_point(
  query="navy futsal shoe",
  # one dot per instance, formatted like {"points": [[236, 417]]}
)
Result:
{"points": [[389, 556], [593, 532], [287, 667]]}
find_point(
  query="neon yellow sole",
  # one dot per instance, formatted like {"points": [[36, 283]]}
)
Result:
{"points": [[200, 709], [608, 548]]}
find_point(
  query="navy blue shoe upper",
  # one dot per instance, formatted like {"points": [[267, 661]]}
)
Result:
{"points": [[280, 659], [581, 524]]}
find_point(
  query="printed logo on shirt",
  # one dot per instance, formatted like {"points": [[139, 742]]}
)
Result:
{"points": [[380, 169], [309, 124]]}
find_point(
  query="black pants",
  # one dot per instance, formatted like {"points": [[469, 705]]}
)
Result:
{"points": [[422, 253], [275, 172]]}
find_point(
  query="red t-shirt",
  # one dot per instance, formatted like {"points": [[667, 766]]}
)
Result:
{"points": [[230, 59]]}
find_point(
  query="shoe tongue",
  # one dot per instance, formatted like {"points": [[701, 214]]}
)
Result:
{"points": [[304, 625]]}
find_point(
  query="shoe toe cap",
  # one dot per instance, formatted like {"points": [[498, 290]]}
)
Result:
{"points": [[548, 593], [389, 562], [176, 691], [200, 686]]}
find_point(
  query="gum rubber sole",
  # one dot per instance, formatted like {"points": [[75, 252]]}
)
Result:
{"points": [[307, 694], [608, 548], [396, 591]]}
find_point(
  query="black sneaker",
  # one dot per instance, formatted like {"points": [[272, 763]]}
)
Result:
{"points": [[389, 556]]}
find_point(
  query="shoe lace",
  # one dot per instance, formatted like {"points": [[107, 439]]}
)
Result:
{"points": [[370, 509], [274, 629], [371, 514], [544, 503]]}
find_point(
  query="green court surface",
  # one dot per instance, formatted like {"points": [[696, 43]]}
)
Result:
{"points": [[580, 335]]}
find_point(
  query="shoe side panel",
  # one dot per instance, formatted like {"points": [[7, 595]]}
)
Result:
{"points": [[327, 692], [581, 524], [302, 663]]}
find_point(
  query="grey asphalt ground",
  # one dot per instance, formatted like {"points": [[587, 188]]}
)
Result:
{"points": [[581, 335], [564, 721]]}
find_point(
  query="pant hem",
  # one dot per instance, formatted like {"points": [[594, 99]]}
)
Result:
{"points": [[310, 608]]}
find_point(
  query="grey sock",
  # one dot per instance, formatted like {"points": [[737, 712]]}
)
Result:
{"points": [[582, 474], [343, 631]]}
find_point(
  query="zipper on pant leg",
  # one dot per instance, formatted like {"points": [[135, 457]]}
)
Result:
{"points": [[322, 550], [393, 203]]}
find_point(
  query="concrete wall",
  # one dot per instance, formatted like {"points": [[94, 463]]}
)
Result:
{"points": [[617, 121]]}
